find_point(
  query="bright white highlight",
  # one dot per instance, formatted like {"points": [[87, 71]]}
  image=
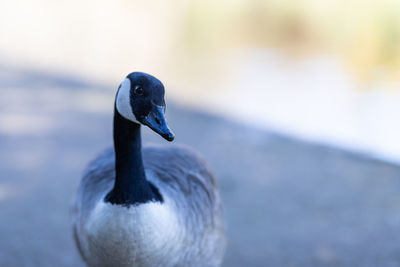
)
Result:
{"points": [[123, 101]]}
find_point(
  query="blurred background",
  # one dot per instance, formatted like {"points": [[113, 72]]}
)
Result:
{"points": [[294, 103]]}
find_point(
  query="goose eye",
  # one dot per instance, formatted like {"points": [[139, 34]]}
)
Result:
{"points": [[138, 90]]}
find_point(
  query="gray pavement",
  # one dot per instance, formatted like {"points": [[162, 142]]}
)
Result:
{"points": [[287, 202]]}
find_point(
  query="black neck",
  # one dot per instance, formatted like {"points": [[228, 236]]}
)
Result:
{"points": [[131, 186]]}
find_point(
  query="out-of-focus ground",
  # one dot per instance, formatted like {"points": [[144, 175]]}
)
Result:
{"points": [[287, 202]]}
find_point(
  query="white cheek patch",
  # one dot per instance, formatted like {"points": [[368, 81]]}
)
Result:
{"points": [[123, 102]]}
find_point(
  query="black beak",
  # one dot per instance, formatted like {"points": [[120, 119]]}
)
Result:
{"points": [[156, 121]]}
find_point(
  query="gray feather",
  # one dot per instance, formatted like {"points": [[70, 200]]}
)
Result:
{"points": [[178, 172]]}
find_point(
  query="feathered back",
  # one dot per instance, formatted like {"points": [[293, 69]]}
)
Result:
{"points": [[180, 175]]}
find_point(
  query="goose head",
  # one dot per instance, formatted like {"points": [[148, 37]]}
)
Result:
{"points": [[140, 99]]}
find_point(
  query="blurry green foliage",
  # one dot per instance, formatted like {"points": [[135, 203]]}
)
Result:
{"points": [[366, 34]]}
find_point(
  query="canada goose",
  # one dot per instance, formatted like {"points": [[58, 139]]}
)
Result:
{"points": [[150, 206]]}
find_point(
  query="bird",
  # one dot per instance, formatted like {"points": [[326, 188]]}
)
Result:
{"points": [[147, 205]]}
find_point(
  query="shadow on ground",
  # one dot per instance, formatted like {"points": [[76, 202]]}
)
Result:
{"points": [[288, 203]]}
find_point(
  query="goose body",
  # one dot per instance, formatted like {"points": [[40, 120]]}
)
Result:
{"points": [[151, 205]]}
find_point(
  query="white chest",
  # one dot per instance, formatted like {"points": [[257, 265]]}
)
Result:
{"points": [[143, 235]]}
